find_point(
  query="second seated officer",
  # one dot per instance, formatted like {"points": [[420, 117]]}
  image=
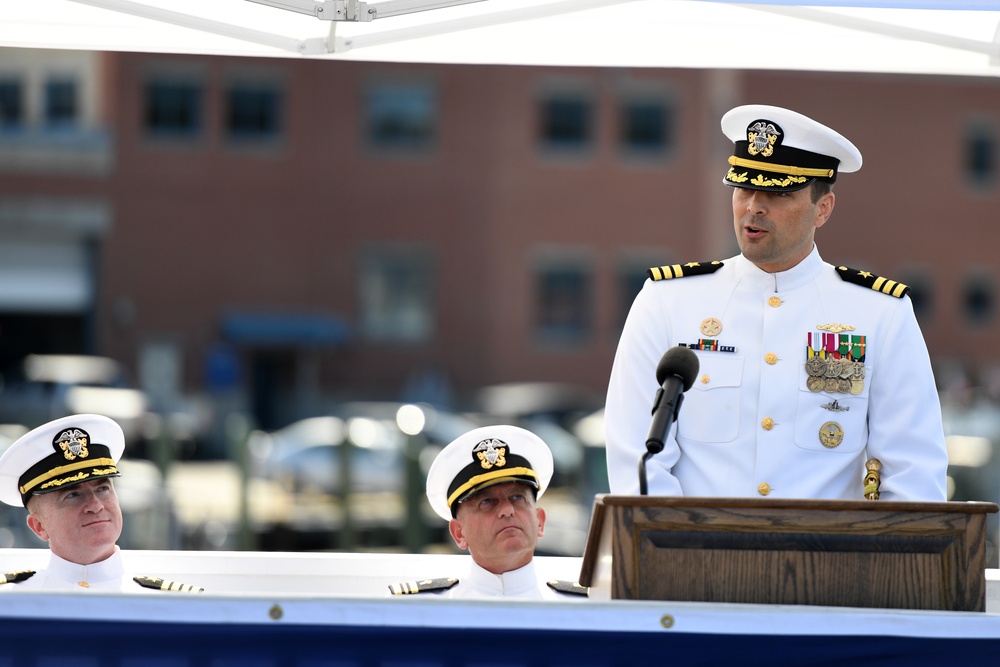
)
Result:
{"points": [[485, 484], [809, 372]]}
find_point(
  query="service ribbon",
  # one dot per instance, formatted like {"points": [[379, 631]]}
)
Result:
{"points": [[858, 348]]}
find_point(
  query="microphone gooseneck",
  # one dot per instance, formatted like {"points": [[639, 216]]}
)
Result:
{"points": [[675, 373]]}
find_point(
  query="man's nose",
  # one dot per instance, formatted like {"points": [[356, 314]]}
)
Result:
{"points": [[505, 507], [755, 203], [93, 503]]}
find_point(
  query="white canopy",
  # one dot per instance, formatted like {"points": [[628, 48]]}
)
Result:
{"points": [[918, 36]]}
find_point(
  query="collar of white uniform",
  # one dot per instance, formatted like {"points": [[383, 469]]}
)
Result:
{"points": [[109, 569], [784, 281], [515, 582]]}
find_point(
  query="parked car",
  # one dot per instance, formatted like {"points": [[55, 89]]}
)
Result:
{"points": [[48, 386], [296, 479], [354, 476]]}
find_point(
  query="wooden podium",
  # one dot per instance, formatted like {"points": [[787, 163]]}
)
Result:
{"points": [[900, 555]]}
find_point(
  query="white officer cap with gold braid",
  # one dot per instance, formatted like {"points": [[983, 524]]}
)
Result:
{"points": [[781, 150], [483, 457], [61, 453]]}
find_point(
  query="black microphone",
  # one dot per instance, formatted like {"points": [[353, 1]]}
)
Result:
{"points": [[675, 373]]}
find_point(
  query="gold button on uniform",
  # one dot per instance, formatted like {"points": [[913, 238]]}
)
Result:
{"points": [[767, 423], [705, 379], [771, 358], [764, 488], [774, 302]]}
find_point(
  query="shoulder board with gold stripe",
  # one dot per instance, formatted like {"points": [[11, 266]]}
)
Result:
{"points": [[423, 586], [877, 283], [669, 271], [159, 584], [16, 577], [569, 587]]}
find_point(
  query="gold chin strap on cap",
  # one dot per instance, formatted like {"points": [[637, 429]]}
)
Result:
{"points": [[780, 168]]}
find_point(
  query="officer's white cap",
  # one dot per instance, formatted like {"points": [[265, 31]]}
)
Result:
{"points": [[782, 150], [483, 457], [61, 453]]}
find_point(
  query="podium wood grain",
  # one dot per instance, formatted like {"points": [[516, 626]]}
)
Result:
{"points": [[898, 555]]}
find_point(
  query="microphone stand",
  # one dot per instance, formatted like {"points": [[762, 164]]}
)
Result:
{"points": [[643, 485], [654, 446]]}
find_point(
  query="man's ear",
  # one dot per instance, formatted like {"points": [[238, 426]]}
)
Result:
{"points": [[35, 524], [541, 521], [458, 534], [824, 208]]}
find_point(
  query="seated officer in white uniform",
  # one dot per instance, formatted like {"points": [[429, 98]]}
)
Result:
{"points": [[62, 473], [485, 484], [813, 380]]}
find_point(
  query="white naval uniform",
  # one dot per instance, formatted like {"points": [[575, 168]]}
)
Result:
{"points": [[749, 427], [522, 583], [109, 575]]}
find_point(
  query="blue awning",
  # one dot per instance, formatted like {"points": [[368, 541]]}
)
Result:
{"points": [[284, 329]]}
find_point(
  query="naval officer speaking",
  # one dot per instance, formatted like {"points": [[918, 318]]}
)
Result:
{"points": [[812, 381]]}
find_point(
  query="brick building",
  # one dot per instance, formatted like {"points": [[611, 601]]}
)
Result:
{"points": [[297, 230]]}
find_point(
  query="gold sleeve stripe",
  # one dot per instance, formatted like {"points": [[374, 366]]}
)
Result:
{"points": [[780, 168], [177, 586], [667, 272], [405, 588], [423, 585], [887, 286], [16, 577], [878, 283], [156, 583]]}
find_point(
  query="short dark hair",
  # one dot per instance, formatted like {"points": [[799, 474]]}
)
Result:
{"points": [[819, 188]]}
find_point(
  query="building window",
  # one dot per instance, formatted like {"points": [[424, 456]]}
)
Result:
{"points": [[11, 104], [981, 156], [401, 116], [978, 300], [646, 127], [397, 294], [564, 298], [253, 112], [173, 108], [565, 122], [61, 103]]}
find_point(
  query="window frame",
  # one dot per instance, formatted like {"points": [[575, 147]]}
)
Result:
{"points": [[380, 91], [579, 327], [387, 321]]}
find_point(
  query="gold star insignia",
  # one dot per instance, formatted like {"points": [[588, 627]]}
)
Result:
{"points": [[691, 265], [865, 274], [711, 326]]}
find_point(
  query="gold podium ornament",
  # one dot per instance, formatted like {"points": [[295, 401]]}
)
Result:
{"points": [[872, 478]]}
